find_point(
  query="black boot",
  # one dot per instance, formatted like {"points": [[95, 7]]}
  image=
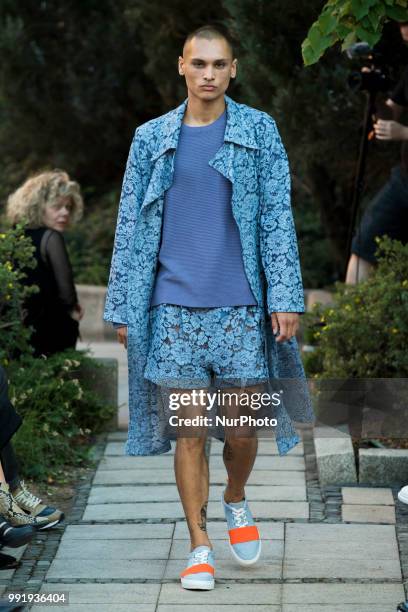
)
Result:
{"points": [[15, 536]]}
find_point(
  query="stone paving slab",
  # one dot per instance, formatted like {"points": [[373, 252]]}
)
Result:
{"points": [[265, 447], [174, 511], [101, 608], [117, 532], [367, 495], [368, 514], [116, 448], [229, 569], [104, 569], [115, 549], [126, 462], [219, 476], [128, 493], [345, 546], [127, 593], [386, 466], [224, 593], [266, 462], [302, 558], [217, 530], [334, 456], [332, 533], [218, 608], [262, 462], [339, 608], [117, 441], [272, 550], [134, 476], [345, 594], [341, 569]]}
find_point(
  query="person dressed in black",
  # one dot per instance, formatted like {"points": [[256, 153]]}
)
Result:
{"points": [[48, 203], [11, 536], [387, 213], [18, 506]]}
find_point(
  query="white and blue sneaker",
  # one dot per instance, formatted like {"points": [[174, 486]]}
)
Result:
{"points": [[244, 539], [199, 573]]}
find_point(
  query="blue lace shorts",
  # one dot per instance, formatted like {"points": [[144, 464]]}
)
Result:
{"points": [[190, 346]]}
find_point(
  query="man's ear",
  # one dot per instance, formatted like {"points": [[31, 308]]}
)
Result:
{"points": [[180, 66], [234, 68]]}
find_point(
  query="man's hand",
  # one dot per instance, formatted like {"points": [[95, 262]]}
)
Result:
{"points": [[390, 130], [287, 322], [122, 335]]}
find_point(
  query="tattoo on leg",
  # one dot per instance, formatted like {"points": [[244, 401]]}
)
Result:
{"points": [[202, 525], [228, 454]]}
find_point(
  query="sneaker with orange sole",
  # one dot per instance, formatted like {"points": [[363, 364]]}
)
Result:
{"points": [[244, 538], [199, 573]]}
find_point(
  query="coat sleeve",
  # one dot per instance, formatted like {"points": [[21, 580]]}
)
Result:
{"points": [[278, 242], [116, 306]]}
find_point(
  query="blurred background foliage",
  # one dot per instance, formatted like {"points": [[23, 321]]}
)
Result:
{"points": [[78, 76]]}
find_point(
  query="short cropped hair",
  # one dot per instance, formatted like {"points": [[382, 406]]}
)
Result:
{"points": [[30, 200], [209, 32]]}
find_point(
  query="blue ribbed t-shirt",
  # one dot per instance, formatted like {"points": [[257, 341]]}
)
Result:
{"points": [[200, 260]]}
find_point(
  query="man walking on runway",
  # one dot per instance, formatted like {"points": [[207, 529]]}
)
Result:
{"points": [[205, 283]]}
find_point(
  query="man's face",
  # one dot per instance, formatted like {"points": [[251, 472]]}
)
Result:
{"points": [[208, 67]]}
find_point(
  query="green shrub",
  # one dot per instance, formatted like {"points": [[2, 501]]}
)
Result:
{"points": [[365, 333], [16, 253], [61, 413]]}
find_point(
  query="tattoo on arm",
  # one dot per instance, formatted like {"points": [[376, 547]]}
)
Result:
{"points": [[202, 525], [228, 454]]}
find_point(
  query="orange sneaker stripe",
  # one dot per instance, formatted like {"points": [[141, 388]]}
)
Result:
{"points": [[195, 569], [243, 534]]}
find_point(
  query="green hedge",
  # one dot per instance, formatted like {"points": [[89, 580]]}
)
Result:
{"points": [[364, 334], [61, 413]]}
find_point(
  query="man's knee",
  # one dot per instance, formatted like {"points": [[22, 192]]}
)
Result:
{"points": [[237, 441], [191, 444]]}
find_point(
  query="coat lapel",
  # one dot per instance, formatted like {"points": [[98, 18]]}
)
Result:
{"points": [[237, 132]]}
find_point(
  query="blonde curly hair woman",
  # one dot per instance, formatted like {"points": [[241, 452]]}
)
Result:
{"points": [[47, 204]]}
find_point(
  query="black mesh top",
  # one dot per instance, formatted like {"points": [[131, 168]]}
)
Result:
{"points": [[47, 312]]}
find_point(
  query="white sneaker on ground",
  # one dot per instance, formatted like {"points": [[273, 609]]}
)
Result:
{"points": [[403, 495]]}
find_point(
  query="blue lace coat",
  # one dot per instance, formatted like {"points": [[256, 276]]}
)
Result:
{"points": [[254, 160]]}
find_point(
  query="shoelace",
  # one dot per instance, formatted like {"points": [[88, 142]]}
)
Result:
{"points": [[15, 511], [30, 499], [239, 516], [13, 507], [200, 557]]}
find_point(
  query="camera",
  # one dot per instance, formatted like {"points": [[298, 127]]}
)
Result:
{"points": [[374, 75]]}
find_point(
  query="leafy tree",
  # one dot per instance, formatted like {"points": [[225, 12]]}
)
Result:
{"points": [[350, 21], [72, 89], [318, 115]]}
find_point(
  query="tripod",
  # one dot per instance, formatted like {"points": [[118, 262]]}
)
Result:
{"points": [[361, 165]]}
